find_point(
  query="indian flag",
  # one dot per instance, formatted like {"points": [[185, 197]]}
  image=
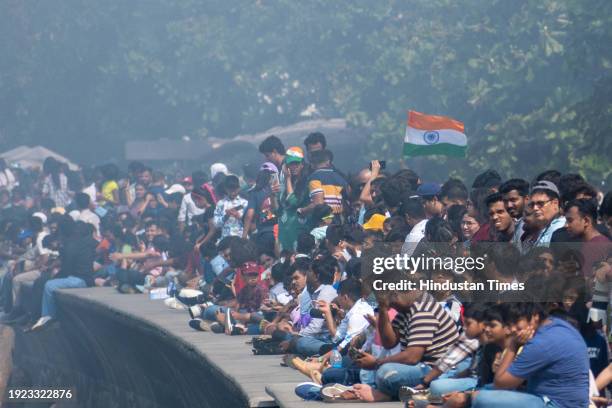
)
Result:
{"points": [[429, 134]]}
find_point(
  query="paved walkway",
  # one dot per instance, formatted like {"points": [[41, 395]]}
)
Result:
{"points": [[229, 354]]}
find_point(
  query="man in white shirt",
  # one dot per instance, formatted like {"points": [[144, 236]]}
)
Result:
{"points": [[83, 213], [187, 211], [354, 322], [414, 214]]}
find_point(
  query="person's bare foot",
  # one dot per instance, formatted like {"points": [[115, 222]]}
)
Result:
{"points": [[366, 393]]}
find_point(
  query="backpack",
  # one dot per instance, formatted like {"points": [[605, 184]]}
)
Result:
{"points": [[266, 346]]}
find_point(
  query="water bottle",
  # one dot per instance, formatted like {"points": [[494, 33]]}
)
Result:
{"points": [[336, 358], [171, 289]]}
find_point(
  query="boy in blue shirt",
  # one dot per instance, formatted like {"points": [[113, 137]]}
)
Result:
{"points": [[553, 361]]}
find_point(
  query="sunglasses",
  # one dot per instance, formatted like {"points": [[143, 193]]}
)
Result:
{"points": [[538, 204]]}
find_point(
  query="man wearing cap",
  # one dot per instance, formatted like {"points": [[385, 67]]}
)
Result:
{"points": [[544, 203], [187, 184], [217, 168], [375, 223], [188, 208], [430, 194]]}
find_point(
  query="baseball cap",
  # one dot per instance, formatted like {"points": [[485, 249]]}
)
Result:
{"points": [[269, 166], [25, 234], [176, 188], [375, 222], [217, 168], [545, 185], [58, 210], [428, 189], [40, 215], [294, 154], [187, 180]]}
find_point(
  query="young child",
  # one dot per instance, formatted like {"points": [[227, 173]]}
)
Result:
{"points": [[496, 333], [322, 216], [247, 318], [443, 379], [230, 210]]}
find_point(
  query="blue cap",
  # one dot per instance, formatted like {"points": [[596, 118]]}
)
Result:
{"points": [[25, 234], [428, 189]]}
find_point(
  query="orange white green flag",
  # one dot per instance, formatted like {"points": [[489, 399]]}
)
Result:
{"points": [[429, 134]]}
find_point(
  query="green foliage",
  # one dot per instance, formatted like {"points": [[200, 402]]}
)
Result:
{"points": [[531, 79]]}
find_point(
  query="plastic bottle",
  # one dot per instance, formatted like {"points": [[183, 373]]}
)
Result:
{"points": [[336, 359]]}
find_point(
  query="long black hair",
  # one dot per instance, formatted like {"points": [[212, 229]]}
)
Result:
{"points": [[263, 180], [51, 167]]}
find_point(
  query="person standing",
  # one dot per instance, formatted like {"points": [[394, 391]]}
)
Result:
{"points": [[291, 225], [325, 186]]}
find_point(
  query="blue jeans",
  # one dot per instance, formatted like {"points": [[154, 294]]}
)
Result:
{"points": [[344, 376], [308, 346], [210, 313], [391, 376], [510, 399], [48, 300], [447, 385]]}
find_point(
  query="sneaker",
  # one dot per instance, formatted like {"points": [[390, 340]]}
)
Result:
{"points": [[229, 326], [195, 311], [191, 297], [42, 322], [309, 391], [408, 393], [172, 303], [199, 325], [217, 328], [126, 289]]}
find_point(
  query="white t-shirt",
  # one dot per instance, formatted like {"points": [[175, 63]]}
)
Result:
{"points": [[354, 322], [87, 216], [92, 192], [7, 179], [189, 210]]}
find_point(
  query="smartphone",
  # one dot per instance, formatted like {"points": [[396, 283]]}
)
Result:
{"points": [[238, 208], [274, 180], [354, 353], [383, 164]]}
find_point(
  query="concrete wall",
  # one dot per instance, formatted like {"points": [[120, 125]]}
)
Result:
{"points": [[115, 359]]}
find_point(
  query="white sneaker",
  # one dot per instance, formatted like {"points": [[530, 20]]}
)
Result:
{"points": [[173, 303], [195, 311], [41, 323], [228, 321], [189, 293]]}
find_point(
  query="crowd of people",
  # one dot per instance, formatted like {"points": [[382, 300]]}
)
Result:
{"points": [[282, 250]]}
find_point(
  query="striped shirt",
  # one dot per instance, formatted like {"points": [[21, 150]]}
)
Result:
{"points": [[329, 183], [426, 325]]}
